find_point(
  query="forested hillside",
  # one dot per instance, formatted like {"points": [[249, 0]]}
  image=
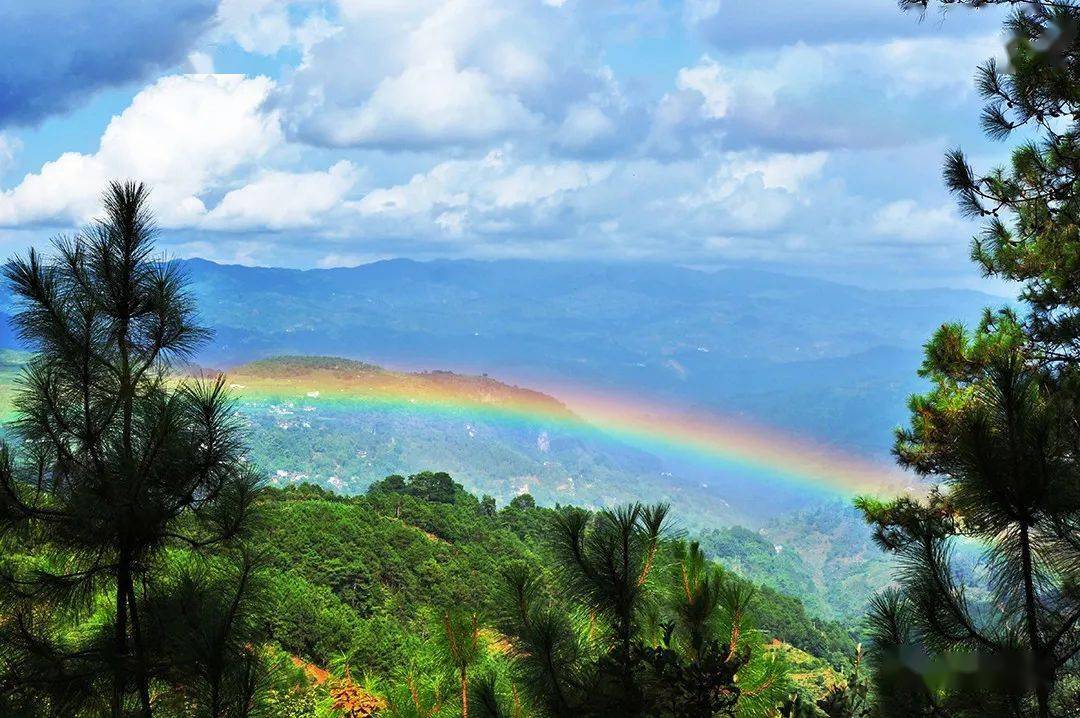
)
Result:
{"points": [[356, 581], [298, 435]]}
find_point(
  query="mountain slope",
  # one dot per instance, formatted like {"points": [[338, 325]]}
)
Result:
{"points": [[819, 358], [303, 430], [359, 572], [310, 421]]}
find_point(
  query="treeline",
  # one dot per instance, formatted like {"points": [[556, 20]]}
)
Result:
{"points": [[417, 552]]}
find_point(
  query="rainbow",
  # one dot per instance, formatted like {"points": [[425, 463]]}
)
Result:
{"points": [[763, 454]]}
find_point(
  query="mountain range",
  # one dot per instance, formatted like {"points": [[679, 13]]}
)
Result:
{"points": [[821, 359]]}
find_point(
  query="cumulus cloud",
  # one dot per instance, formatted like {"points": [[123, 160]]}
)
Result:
{"points": [[827, 96], [916, 223], [433, 102], [756, 192], [460, 72], [284, 200], [584, 126], [782, 170], [712, 82], [183, 135], [264, 27], [735, 205], [481, 195], [201, 63], [56, 54]]}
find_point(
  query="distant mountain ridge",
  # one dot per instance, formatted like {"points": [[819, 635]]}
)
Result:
{"points": [[827, 360], [360, 376], [310, 421]]}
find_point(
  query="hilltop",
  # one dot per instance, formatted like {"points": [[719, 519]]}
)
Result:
{"points": [[310, 424], [355, 378]]}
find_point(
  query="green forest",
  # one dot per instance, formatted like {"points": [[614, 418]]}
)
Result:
{"points": [[147, 568]]}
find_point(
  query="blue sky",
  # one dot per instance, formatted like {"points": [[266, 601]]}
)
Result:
{"points": [[796, 136]]}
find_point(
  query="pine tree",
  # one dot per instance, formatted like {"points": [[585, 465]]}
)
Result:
{"points": [[461, 647], [116, 471], [604, 562], [635, 625], [1030, 208], [710, 660], [998, 430]]}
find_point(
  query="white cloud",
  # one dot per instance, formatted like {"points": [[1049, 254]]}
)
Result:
{"points": [[738, 25], [709, 80], [457, 72], [201, 63], [456, 195], [9, 148], [284, 200], [264, 27], [910, 221], [939, 65], [192, 138], [837, 95], [755, 192], [183, 135], [433, 101], [781, 171], [778, 171], [260, 26], [584, 126], [694, 11]]}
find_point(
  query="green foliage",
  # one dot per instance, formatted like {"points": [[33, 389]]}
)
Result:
{"points": [[998, 427], [460, 645], [627, 623], [523, 502], [308, 620], [124, 499], [366, 582], [427, 485]]}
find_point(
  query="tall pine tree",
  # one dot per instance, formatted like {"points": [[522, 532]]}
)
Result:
{"points": [[119, 481], [998, 430]]}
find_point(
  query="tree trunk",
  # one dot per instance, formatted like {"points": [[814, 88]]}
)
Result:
{"points": [[1042, 686], [120, 636], [140, 653], [215, 699], [464, 694]]}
